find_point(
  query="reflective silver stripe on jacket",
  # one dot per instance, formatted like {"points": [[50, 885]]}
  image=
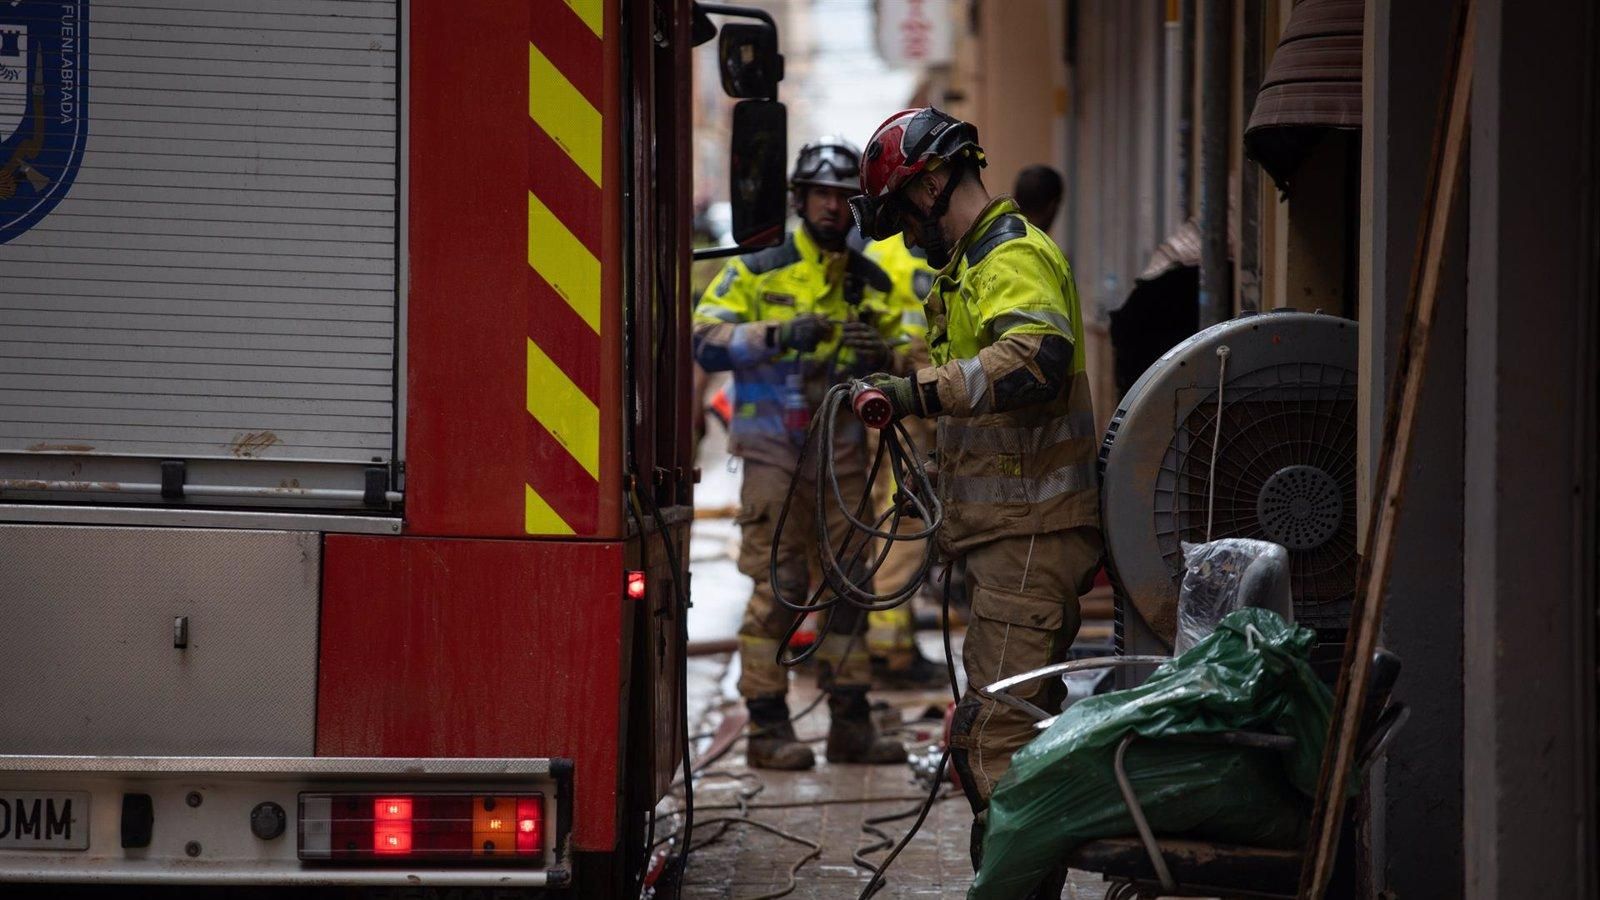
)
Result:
{"points": [[1007, 439], [1018, 317], [720, 313], [977, 381], [914, 318], [1016, 489]]}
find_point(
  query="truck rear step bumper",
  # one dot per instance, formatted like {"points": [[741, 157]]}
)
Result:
{"points": [[202, 808]]}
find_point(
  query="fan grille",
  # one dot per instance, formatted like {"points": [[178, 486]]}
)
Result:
{"points": [[1286, 472], [1300, 507]]}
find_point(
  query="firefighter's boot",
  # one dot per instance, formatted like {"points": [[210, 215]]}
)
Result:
{"points": [[772, 741], [852, 735]]}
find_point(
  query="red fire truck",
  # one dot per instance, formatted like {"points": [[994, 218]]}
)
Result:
{"points": [[345, 433]]}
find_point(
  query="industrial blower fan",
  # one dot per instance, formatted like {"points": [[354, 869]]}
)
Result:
{"points": [[1246, 429]]}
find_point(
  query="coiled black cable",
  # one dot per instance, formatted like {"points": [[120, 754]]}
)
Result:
{"points": [[843, 575]]}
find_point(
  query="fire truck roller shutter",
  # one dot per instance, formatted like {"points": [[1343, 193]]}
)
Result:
{"points": [[199, 253]]}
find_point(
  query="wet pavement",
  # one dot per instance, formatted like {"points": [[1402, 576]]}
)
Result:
{"points": [[823, 806], [826, 807]]}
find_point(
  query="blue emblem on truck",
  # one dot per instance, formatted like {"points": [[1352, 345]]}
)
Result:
{"points": [[44, 102]]}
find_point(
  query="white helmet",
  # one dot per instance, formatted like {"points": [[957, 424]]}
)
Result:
{"points": [[829, 161]]}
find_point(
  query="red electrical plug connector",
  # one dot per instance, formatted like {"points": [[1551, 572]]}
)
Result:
{"points": [[871, 406]]}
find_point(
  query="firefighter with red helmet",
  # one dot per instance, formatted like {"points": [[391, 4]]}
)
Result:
{"points": [[790, 322], [1016, 435]]}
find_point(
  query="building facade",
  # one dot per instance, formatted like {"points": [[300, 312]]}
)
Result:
{"points": [[1153, 113]]}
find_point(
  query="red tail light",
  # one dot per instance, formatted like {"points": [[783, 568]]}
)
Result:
{"points": [[437, 827], [391, 826], [530, 825], [636, 585]]}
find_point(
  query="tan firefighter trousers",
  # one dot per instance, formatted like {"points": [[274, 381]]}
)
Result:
{"points": [[1024, 592], [766, 621]]}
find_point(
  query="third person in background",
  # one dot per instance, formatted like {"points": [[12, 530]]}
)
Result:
{"points": [[1038, 196], [1016, 432]]}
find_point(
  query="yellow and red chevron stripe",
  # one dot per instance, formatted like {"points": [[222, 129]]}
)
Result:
{"points": [[569, 155]]}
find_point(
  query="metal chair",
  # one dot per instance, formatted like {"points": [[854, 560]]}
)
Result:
{"points": [[1145, 866]]}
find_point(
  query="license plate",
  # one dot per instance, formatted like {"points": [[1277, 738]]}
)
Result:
{"points": [[44, 820]]}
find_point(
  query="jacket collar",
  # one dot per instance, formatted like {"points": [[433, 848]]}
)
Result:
{"points": [[997, 207], [809, 251]]}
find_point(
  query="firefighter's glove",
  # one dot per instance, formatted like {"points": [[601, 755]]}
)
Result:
{"points": [[902, 393], [869, 346], [804, 333]]}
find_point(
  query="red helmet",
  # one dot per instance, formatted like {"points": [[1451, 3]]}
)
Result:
{"points": [[907, 144]]}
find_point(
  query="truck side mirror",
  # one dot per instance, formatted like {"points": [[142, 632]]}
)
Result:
{"points": [[750, 62], [758, 180], [751, 66]]}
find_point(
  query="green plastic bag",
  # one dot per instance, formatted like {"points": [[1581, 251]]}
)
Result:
{"points": [[1251, 674]]}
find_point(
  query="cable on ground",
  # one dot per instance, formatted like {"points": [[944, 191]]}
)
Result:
{"points": [[941, 774]]}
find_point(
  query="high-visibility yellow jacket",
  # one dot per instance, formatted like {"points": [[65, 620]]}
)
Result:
{"points": [[736, 324], [912, 276], [1016, 430]]}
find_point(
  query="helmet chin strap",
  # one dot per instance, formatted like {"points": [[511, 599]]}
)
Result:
{"points": [[941, 204], [938, 249]]}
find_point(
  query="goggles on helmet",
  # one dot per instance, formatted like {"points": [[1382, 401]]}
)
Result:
{"points": [[827, 164]]}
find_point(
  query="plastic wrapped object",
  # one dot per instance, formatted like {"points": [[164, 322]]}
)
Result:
{"points": [[1222, 576], [1251, 674]]}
